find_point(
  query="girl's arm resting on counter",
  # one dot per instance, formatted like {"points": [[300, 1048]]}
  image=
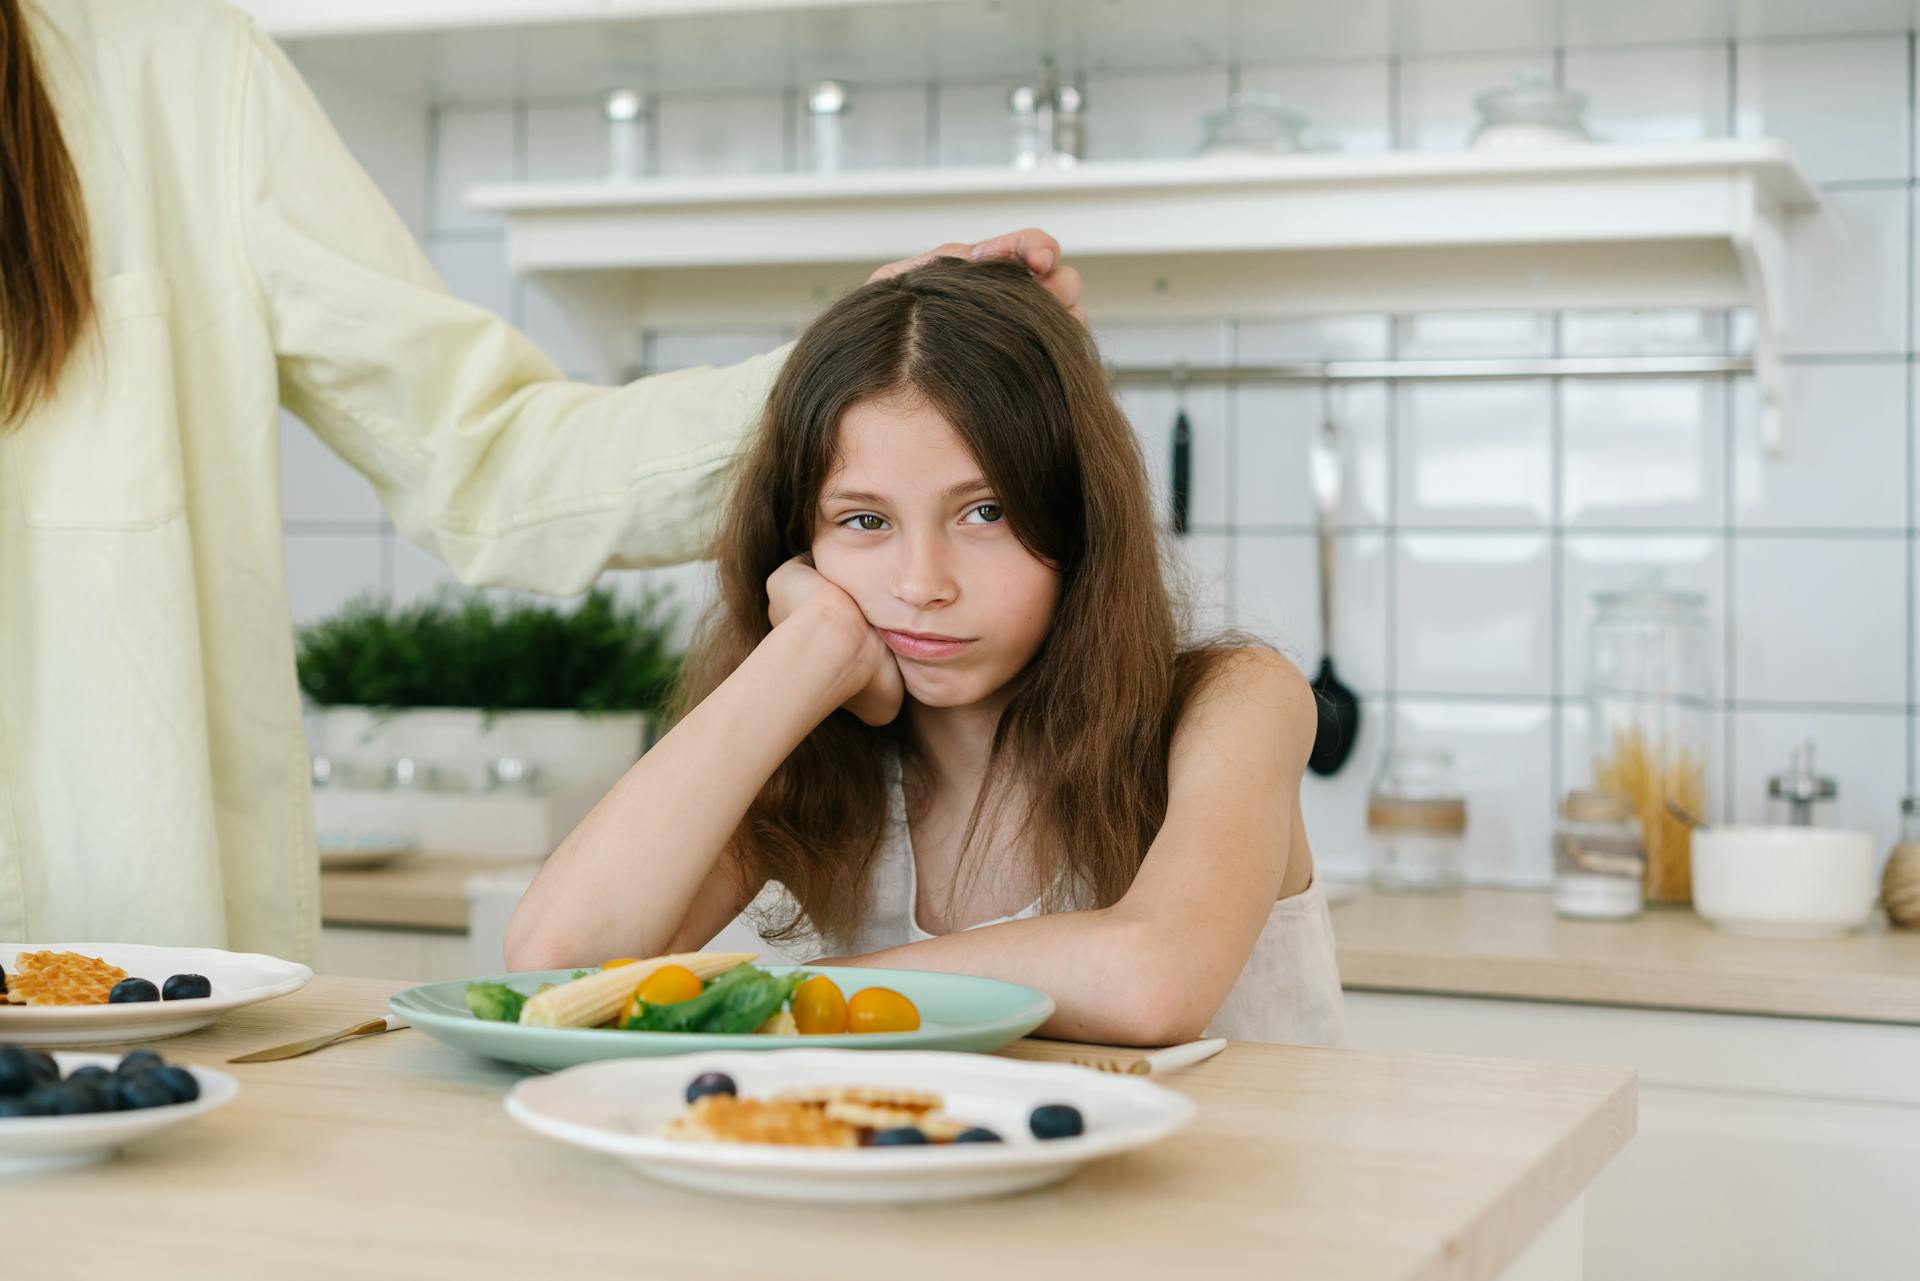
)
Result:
{"points": [[1153, 968], [649, 859]]}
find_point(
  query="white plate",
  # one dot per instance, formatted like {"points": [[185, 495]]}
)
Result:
{"points": [[353, 851], [620, 1105], [238, 978], [31, 1143]]}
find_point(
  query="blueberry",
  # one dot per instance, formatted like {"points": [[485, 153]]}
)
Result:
{"points": [[91, 1072], [138, 1061], [179, 1083], [710, 1083], [138, 1091], [132, 990], [899, 1136], [1056, 1121], [17, 1071], [186, 987], [43, 1066], [978, 1134], [34, 1104], [71, 1098]]}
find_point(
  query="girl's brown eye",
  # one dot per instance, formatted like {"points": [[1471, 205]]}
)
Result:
{"points": [[987, 512], [868, 522]]}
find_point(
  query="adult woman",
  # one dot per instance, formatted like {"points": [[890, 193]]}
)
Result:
{"points": [[185, 245]]}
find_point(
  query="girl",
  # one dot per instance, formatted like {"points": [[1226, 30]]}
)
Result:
{"points": [[940, 717]]}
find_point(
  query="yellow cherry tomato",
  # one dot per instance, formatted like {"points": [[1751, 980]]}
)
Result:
{"points": [[618, 961], [818, 1007], [881, 1009], [668, 984]]}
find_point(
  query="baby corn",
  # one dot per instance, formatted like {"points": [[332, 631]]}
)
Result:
{"points": [[595, 998]]}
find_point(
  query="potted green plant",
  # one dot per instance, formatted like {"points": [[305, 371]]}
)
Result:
{"points": [[477, 703]]}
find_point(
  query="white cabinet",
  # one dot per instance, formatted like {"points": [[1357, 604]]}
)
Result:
{"points": [[419, 956], [1768, 1147]]}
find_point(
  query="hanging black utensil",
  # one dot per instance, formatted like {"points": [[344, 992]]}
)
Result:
{"points": [[1182, 470], [1339, 707]]}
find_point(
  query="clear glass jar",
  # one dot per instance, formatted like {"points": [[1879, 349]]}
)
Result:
{"points": [[1598, 862], [1529, 112], [1650, 704], [1417, 823], [1255, 123]]}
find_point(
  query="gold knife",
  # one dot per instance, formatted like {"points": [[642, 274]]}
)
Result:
{"points": [[312, 1043]]}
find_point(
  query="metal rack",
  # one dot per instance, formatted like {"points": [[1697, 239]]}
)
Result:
{"points": [[1439, 370]]}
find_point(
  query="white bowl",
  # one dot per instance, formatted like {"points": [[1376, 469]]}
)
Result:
{"points": [[1787, 882], [32, 1144]]}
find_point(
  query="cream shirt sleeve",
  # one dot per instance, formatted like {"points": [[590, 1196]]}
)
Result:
{"points": [[480, 450]]}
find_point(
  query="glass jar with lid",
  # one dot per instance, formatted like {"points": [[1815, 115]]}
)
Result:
{"points": [[1530, 111], [1650, 705], [1417, 823], [1598, 862]]}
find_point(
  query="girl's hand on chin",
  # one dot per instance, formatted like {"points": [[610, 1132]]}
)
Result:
{"points": [[797, 591]]}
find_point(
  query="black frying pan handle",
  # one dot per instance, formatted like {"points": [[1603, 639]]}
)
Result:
{"points": [[1182, 470]]}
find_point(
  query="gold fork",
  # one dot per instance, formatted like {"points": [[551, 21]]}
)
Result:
{"points": [[1159, 1061]]}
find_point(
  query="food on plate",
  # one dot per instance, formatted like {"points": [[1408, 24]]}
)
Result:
{"points": [[837, 1116], [818, 1007], [186, 987], [601, 994], [73, 978], [1056, 1121], [495, 1002], [881, 1009], [61, 978], [709, 992], [31, 1084], [710, 1083]]}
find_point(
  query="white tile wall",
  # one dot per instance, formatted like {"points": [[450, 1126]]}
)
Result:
{"points": [[1478, 518], [1841, 104]]}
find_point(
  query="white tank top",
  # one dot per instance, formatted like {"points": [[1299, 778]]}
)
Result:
{"points": [[1288, 991]]}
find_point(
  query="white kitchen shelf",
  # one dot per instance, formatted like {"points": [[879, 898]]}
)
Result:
{"points": [[1600, 226]]}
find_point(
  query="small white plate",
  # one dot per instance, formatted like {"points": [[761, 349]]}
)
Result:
{"points": [[358, 851], [238, 978], [619, 1107], [33, 1143]]}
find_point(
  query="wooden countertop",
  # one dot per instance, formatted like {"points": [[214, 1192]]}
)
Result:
{"points": [[391, 1156], [423, 893], [1509, 943]]}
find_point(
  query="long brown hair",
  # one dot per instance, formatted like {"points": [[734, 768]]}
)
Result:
{"points": [[46, 295], [1089, 721]]}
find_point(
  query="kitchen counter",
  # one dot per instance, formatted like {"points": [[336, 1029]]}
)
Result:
{"points": [[1509, 943], [391, 1156], [423, 893]]}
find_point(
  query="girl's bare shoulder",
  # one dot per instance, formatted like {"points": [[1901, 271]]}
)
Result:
{"points": [[1248, 694]]}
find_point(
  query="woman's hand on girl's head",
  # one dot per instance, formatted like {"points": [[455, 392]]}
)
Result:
{"points": [[800, 595], [1030, 245]]}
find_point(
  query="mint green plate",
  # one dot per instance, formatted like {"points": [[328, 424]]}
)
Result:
{"points": [[957, 1012]]}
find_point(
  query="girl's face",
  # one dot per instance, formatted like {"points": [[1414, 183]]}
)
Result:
{"points": [[908, 527]]}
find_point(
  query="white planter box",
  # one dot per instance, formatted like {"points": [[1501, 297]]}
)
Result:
{"points": [[579, 757]]}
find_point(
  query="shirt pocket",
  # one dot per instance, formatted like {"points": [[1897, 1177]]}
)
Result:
{"points": [[104, 451]]}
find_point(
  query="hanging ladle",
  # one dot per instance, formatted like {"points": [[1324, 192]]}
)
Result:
{"points": [[1339, 707]]}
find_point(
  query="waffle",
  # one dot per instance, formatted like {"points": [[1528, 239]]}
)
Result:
{"points": [[61, 978], [916, 1102], [722, 1118]]}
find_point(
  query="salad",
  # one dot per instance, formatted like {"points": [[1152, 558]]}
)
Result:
{"points": [[711, 992]]}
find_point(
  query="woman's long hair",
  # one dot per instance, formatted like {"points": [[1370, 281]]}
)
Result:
{"points": [[1084, 737], [46, 294]]}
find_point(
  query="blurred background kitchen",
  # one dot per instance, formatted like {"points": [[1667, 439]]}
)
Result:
{"points": [[1590, 327]]}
